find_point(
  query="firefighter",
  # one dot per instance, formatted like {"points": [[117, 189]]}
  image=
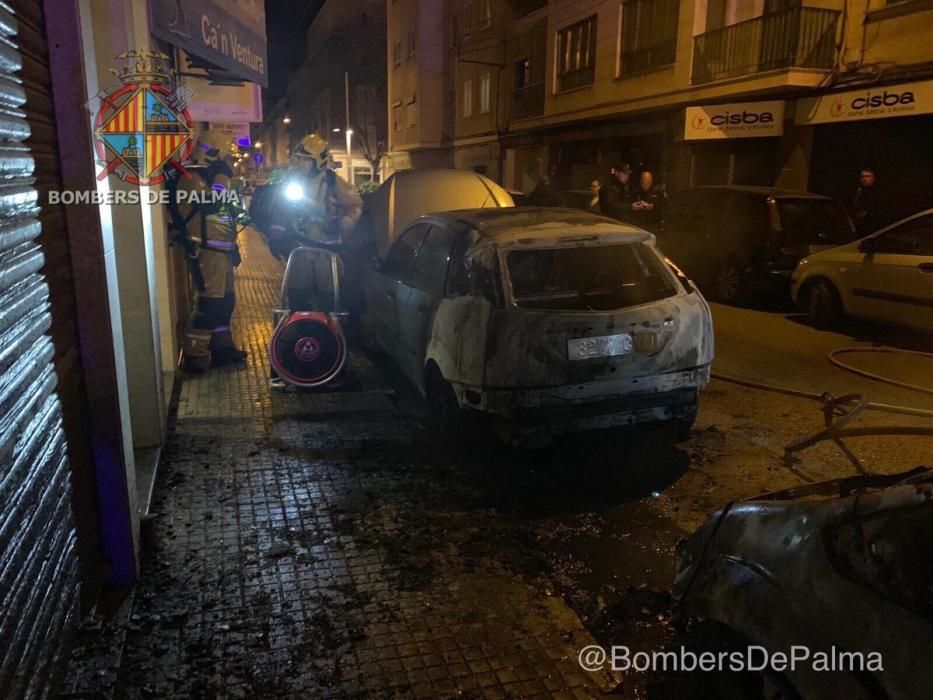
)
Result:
{"points": [[314, 204], [207, 231]]}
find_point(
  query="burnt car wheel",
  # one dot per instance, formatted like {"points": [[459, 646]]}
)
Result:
{"points": [[822, 305], [445, 413], [727, 282], [683, 428]]}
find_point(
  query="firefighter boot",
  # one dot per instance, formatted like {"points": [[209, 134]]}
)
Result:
{"points": [[196, 355], [223, 351]]}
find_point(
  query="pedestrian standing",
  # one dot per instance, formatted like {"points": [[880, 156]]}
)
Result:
{"points": [[615, 196], [866, 206], [544, 195], [648, 204]]}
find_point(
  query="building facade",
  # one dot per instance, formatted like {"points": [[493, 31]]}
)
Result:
{"points": [[343, 79], [92, 300], [706, 92]]}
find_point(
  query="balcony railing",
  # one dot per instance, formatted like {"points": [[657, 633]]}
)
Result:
{"points": [[528, 101], [802, 37]]}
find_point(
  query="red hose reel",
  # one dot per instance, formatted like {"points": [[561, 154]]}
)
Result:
{"points": [[308, 348]]}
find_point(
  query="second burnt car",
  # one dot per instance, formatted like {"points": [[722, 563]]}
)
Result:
{"points": [[548, 321], [836, 575]]}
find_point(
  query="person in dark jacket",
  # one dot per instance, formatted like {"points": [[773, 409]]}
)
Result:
{"points": [[649, 203], [615, 196], [866, 208], [543, 195]]}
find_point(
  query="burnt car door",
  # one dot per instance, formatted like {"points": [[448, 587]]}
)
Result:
{"points": [[382, 284], [418, 295]]}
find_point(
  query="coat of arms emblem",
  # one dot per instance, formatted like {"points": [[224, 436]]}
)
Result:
{"points": [[143, 124]]}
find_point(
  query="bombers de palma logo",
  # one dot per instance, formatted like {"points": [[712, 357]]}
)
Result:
{"points": [[141, 127]]}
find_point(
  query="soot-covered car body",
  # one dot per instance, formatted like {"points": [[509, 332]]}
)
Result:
{"points": [[549, 320], [835, 571]]}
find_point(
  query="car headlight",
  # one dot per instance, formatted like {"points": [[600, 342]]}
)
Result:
{"points": [[294, 192]]}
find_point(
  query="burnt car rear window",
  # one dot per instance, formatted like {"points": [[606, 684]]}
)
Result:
{"points": [[598, 278], [814, 221]]}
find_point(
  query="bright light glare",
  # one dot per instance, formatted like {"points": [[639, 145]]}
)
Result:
{"points": [[294, 192]]}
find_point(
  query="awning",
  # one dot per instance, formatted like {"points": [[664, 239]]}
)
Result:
{"points": [[231, 34]]}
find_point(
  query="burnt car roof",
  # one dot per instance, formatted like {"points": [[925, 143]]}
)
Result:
{"points": [[536, 222], [777, 192]]}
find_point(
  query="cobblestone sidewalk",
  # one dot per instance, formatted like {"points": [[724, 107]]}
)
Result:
{"points": [[311, 545]]}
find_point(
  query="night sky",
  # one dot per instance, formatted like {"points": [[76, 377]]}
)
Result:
{"points": [[287, 21]]}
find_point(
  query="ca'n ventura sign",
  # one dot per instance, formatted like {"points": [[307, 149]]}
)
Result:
{"points": [[905, 100]]}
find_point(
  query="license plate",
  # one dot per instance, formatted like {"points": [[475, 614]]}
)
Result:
{"points": [[600, 346]]}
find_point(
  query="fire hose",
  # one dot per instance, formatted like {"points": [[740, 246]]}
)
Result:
{"points": [[839, 412]]}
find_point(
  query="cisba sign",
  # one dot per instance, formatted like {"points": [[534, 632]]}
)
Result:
{"points": [[734, 121], [905, 100]]}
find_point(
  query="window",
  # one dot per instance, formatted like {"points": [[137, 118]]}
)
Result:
{"points": [[467, 98], [398, 261], [576, 55], [747, 215], [397, 53], [397, 116], [486, 21], [911, 238], [430, 270], [411, 43], [886, 552], [649, 34], [814, 221], [412, 111], [484, 84], [522, 73], [598, 278], [362, 174]]}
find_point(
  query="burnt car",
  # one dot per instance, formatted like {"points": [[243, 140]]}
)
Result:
{"points": [[548, 321], [736, 241], [839, 567], [408, 194]]}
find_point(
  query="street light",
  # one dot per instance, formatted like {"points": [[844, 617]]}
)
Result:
{"points": [[259, 144], [287, 120], [336, 130]]}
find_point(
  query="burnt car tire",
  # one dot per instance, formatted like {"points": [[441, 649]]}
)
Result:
{"points": [[683, 428], [445, 413], [709, 636], [822, 305]]}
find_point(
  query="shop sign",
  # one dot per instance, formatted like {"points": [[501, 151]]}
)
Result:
{"points": [[905, 100], [229, 33], [734, 121]]}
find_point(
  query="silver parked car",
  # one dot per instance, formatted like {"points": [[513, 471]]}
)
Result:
{"points": [[548, 320]]}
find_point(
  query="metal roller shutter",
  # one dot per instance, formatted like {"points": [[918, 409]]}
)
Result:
{"points": [[38, 562]]}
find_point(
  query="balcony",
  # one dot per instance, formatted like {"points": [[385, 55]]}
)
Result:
{"points": [[802, 37], [528, 101]]}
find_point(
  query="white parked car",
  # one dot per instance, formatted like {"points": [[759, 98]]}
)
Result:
{"points": [[887, 276], [549, 320]]}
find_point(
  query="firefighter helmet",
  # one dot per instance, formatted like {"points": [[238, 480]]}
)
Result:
{"points": [[213, 145], [312, 146]]}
